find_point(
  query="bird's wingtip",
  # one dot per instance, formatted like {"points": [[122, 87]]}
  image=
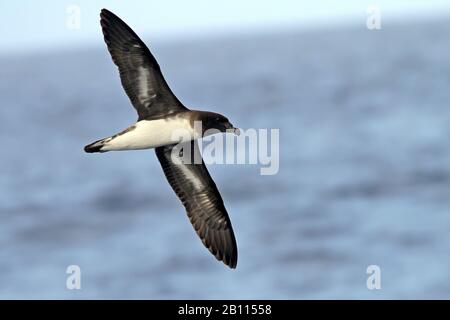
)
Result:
{"points": [[104, 13], [230, 261]]}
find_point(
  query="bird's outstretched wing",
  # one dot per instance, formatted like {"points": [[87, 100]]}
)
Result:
{"points": [[139, 71], [204, 205]]}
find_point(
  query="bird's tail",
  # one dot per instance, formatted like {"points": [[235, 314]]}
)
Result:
{"points": [[96, 146]]}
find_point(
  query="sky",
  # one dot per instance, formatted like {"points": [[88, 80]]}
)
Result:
{"points": [[28, 25]]}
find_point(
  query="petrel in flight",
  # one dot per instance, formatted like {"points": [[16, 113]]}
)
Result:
{"points": [[160, 113]]}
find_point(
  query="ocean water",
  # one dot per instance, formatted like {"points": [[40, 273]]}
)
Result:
{"points": [[364, 179]]}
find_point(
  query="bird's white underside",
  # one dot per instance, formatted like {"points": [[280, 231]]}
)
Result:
{"points": [[148, 134], [155, 133]]}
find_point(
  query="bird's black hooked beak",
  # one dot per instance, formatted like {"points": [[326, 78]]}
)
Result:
{"points": [[230, 128]]}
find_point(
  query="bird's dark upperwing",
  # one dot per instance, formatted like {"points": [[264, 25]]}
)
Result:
{"points": [[204, 205], [139, 71]]}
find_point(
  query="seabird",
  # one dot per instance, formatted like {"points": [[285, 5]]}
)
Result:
{"points": [[160, 113]]}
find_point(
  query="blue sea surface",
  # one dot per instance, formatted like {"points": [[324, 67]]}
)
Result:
{"points": [[364, 179]]}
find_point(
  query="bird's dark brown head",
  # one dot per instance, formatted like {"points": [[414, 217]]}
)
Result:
{"points": [[211, 120]]}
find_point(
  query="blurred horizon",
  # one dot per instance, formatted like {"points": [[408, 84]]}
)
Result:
{"points": [[177, 20]]}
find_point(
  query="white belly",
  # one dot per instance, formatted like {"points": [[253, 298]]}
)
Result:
{"points": [[148, 134]]}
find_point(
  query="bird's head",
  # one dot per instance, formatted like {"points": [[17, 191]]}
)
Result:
{"points": [[211, 120]]}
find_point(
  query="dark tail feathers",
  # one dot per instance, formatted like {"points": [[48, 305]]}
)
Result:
{"points": [[95, 147]]}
